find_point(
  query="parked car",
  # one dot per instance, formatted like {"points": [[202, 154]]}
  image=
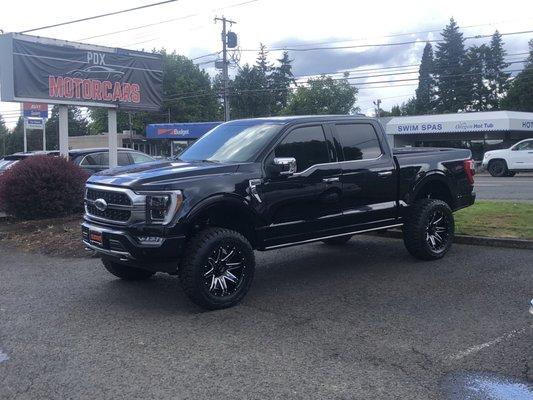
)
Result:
{"points": [[8, 161], [262, 184], [97, 159], [91, 160], [507, 162]]}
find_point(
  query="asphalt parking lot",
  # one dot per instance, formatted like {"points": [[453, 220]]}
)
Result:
{"points": [[518, 187], [362, 321]]}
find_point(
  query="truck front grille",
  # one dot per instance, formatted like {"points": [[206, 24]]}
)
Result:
{"points": [[115, 206], [117, 198], [109, 214]]}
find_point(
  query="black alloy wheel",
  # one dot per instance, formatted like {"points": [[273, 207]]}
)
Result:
{"points": [[438, 231], [224, 270], [218, 268], [428, 229]]}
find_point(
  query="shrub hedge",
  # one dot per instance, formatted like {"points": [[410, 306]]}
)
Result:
{"points": [[42, 187]]}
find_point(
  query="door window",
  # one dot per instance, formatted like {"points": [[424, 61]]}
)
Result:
{"points": [[139, 158], [123, 159], [307, 145], [525, 145], [358, 141]]}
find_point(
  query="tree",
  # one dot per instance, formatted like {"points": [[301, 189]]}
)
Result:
{"points": [[14, 141], [395, 111], [425, 93], [4, 136], [498, 79], [476, 62], [454, 91], [188, 96], [323, 95], [248, 93], [409, 107], [282, 80], [520, 94]]}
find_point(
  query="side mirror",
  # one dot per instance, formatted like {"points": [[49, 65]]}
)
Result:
{"points": [[285, 166]]}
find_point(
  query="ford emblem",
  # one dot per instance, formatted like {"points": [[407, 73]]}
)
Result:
{"points": [[100, 204]]}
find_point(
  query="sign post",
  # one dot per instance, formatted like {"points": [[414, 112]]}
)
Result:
{"points": [[63, 131]]}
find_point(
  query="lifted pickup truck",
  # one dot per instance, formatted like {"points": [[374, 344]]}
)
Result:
{"points": [[262, 184]]}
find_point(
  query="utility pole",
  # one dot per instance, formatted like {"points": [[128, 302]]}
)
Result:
{"points": [[377, 103], [225, 64]]}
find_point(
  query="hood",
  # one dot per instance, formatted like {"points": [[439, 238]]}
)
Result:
{"points": [[159, 175]]}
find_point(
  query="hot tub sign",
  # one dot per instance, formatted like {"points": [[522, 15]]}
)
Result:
{"points": [[472, 126]]}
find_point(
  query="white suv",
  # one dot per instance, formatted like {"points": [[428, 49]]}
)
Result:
{"points": [[507, 162]]}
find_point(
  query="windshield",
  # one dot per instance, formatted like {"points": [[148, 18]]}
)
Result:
{"points": [[235, 142]]}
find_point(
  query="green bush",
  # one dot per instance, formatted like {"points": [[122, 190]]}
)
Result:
{"points": [[42, 187]]}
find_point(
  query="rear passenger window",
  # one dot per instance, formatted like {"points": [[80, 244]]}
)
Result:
{"points": [[122, 158], [307, 144], [358, 141]]}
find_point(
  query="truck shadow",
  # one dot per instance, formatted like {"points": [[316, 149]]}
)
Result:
{"points": [[301, 275]]}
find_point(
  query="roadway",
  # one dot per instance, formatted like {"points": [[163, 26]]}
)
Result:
{"points": [[519, 187], [361, 321]]}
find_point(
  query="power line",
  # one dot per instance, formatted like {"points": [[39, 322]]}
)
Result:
{"points": [[400, 34], [383, 44], [358, 77], [98, 16], [165, 21]]}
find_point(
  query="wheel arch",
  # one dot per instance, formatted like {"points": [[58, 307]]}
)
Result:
{"points": [[436, 186], [225, 211]]}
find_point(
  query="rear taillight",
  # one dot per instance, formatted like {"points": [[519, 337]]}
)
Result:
{"points": [[469, 170]]}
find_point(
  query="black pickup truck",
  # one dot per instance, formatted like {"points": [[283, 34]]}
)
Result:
{"points": [[262, 184]]}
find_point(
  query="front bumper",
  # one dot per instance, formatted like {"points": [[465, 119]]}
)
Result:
{"points": [[124, 247]]}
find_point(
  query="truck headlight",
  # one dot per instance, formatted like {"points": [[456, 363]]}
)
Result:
{"points": [[162, 206]]}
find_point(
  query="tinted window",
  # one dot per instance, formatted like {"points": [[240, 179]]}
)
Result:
{"points": [[123, 159], [358, 141], [91, 159], [308, 145], [139, 158]]}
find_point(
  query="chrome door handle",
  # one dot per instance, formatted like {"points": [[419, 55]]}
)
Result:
{"points": [[385, 173], [331, 180]]}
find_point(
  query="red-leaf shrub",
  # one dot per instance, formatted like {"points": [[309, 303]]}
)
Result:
{"points": [[42, 187]]}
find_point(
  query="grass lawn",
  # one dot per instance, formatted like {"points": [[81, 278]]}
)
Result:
{"points": [[496, 219]]}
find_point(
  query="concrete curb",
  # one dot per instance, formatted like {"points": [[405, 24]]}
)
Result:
{"points": [[475, 240]]}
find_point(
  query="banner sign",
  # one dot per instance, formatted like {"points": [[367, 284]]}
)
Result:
{"points": [[179, 131], [61, 72], [39, 110]]}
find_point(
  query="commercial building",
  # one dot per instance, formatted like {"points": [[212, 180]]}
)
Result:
{"points": [[477, 131], [172, 138]]}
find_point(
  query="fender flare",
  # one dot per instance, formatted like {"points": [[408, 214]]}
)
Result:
{"points": [[429, 177]]}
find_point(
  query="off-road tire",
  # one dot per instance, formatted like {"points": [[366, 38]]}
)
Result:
{"points": [[416, 225], [191, 271], [337, 241], [126, 272], [498, 168]]}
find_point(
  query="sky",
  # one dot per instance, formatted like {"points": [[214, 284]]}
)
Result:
{"points": [[187, 27]]}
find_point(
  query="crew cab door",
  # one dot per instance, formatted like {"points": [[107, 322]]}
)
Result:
{"points": [[369, 176], [302, 205], [521, 155]]}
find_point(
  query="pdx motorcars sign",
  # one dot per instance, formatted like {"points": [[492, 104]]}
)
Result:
{"points": [[60, 72]]}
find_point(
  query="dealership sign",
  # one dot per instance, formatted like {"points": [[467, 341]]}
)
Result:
{"points": [[34, 123], [60, 72], [39, 110]]}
